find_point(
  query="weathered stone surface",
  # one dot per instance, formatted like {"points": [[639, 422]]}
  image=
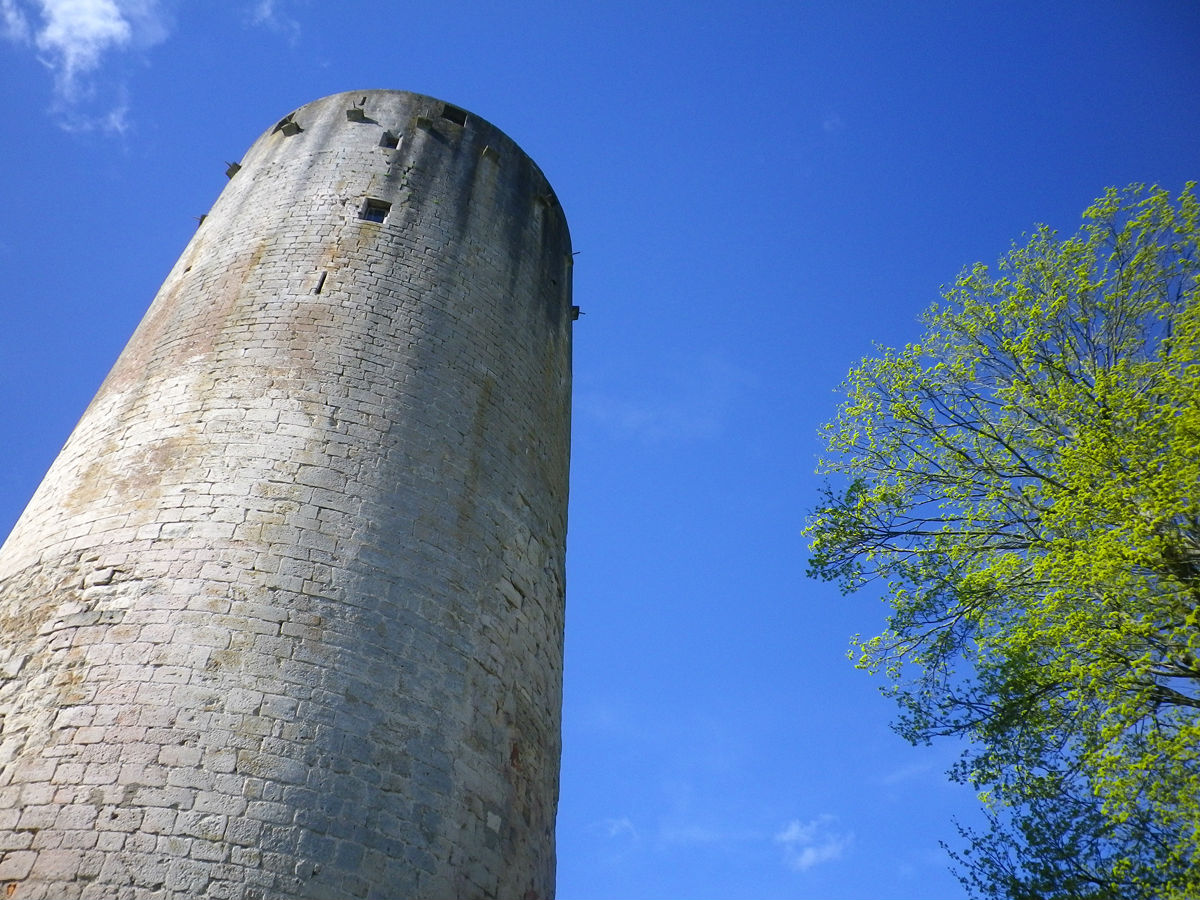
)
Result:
{"points": [[285, 617]]}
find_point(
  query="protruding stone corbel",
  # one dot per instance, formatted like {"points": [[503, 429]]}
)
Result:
{"points": [[288, 125]]}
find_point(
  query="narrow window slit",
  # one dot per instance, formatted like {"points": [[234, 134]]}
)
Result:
{"points": [[320, 282]]}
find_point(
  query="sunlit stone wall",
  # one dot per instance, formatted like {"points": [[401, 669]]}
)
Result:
{"points": [[285, 616]]}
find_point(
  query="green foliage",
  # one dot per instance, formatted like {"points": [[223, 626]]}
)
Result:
{"points": [[1061, 846], [1026, 483]]}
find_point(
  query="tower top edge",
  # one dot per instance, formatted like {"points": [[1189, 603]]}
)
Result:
{"points": [[390, 109], [373, 93], [364, 99]]}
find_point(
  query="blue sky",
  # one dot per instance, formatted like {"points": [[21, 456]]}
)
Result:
{"points": [[758, 192]]}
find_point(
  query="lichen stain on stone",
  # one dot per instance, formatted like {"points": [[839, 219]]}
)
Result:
{"points": [[131, 473]]}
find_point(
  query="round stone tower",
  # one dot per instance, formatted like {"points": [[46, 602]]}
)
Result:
{"points": [[285, 617]]}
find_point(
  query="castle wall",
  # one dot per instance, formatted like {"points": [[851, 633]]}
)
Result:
{"points": [[285, 617]]}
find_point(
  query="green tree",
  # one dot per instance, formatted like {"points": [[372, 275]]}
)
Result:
{"points": [[1024, 484]]}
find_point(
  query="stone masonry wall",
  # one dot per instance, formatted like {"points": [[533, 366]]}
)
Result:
{"points": [[285, 617]]}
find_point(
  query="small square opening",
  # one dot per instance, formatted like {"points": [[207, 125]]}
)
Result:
{"points": [[390, 140], [454, 114], [375, 210]]}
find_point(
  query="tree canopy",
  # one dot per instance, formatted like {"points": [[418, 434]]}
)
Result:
{"points": [[1024, 484]]}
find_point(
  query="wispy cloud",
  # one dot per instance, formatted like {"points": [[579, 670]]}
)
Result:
{"points": [[75, 34], [803, 844], [807, 844], [832, 123], [693, 833], [906, 774], [73, 39], [690, 401], [81, 43], [271, 14], [618, 828], [16, 26]]}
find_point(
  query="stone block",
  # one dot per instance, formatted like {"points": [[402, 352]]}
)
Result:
{"points": [[16, 865]]}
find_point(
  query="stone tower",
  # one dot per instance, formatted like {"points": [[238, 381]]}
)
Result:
{"points": [[285, 617]]}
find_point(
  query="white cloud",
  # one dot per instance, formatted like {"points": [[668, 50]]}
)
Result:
{"points": [[76, 33], [80, 40], [806, 844], [74, 39]]}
